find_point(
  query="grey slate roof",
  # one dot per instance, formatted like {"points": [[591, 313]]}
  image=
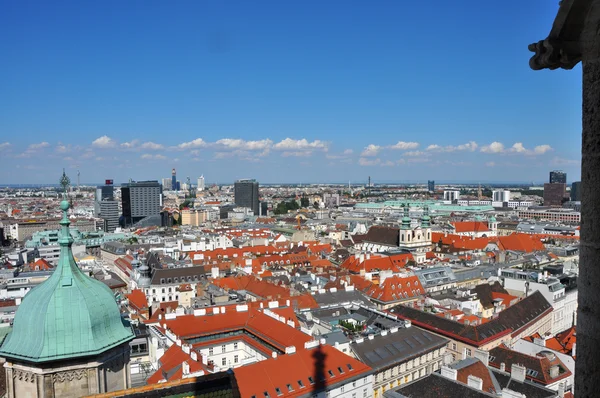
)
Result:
{"points": [[511, 319], [436, 386], [341, 297], [382, 352]]}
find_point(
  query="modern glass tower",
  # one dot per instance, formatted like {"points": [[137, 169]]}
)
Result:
{"points": [[246, 194]]}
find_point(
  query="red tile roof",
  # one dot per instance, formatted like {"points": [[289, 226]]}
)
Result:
{"points": [[540, 364], [254, 285], [377, 262], [470, 226], [396, 288], [273, 375], [255, 321], [137, 300], [521, 243], [477, 369]]}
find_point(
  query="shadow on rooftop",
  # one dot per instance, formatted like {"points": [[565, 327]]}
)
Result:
{"points": [[319, 371]]}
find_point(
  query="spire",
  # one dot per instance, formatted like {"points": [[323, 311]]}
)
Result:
{"points": [[425, 220], [406, 219]]}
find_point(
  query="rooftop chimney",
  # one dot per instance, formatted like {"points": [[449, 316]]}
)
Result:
{"points": [[517, 372], [561, 390], [483, 356], [449, 373], [475, 382]]}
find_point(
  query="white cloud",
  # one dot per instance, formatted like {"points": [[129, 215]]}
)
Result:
{"points": [[538, 150], [290, 144], [131, 144], [238, 144], [41, 145], [88, 154], [104, 142], [371, 150], [388, 163], [405, 145], [558, 161], [490, 164], [152, 146], [369, 162], [149, 156], [32, 149], [415, 153], [296, 153], [197, 143], [4, 145], [541, 149], [61, 148], [518, 148], [348, 152], [494, 147], [469, 146]]}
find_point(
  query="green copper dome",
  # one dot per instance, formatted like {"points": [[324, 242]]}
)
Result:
{"points": [[69, 315], [425, 220], [406, 219]]}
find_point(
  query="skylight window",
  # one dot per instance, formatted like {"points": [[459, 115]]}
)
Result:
{"points": [[290, 388], [349, 366], [330, 373], [311, 380], [278, 391], [267, 394], [300, 384], [532, 373], [340, 370]]}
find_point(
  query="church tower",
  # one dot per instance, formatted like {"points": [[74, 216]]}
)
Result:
{"points": [[68, 337]]}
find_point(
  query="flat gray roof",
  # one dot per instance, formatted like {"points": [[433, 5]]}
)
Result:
{"points": [[394, 348]]}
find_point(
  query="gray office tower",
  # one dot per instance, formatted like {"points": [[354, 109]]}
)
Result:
{"points": [[576, 191], [141, 200], [106, 207], [431, 186], [246, 194], [558, 177]]}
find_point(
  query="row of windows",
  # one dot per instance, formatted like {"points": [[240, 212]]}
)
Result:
{"points": [[396, 370], [177, 280]]}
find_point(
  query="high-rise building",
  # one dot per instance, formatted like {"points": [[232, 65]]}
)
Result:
{"points": [[558, 177], [140, 200], [554, 194], [576, 191], [106, 207], [174, 180], [451, 195], [246, 194], [108, 210], [431, 186], [501, 196], [201, 183], [106, 191], [167, 184]]}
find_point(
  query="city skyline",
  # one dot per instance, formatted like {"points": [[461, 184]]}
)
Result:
{"points": [[285, 94]]}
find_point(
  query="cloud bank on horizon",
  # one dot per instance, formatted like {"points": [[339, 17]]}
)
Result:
{"points": [[421, 160]]}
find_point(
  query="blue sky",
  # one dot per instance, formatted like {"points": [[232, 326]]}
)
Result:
{"points": [[283, 91]]}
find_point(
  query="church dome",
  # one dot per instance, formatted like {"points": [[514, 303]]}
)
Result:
{"points": [[67, 316]]}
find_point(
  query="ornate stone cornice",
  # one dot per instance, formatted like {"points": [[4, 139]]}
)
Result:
{"points": [[562, 48]]}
